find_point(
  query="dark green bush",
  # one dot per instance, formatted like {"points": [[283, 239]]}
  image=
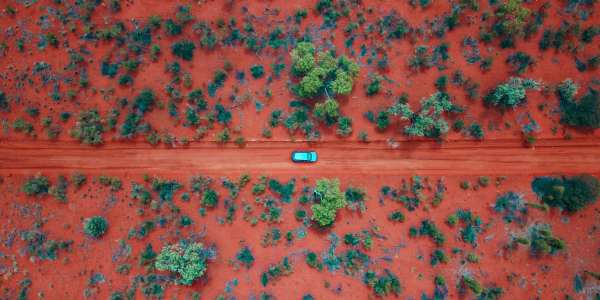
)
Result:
{"points": [[568, 193], [36, 186], [543, 241], [257, 71], [582, 113], [245, 257], [89, 128], [183, 49], [95, 226]]}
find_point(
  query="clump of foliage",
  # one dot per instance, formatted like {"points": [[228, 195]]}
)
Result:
{"points": [[543, 242], [321, 73], [89, 128], [520, 62], [511, 93], [383, 284], [36, 186], [581, 113], [145, 101], [183, 49], [37, 244], [210, 198], [428, 228], [283, 190], [428, 121], [511, 18], [512, 206], [95, 227], [188, 260], [470, 283], [568, 193], [331, 199], [277, 270], [245, 257], [355, 197], [4, 105], [472, 226]]}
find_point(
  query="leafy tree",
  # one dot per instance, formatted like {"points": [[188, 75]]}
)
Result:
{"points": [[511, 93], [245, 257], [429, 120], [421, 59], [223, 115], [476, 131], [543, 241], [520, 62], [384, 284], [89, 128], [582, 113], [257, 71], [344, 126], [188, 260], [95, 226], [210, 198], [511, 18], [321, 73], [327, 111], [374, 85], [569, 193], [472, 284], [145, 101], [383, 120], [330, 200], [183, 49], [36, 186]]}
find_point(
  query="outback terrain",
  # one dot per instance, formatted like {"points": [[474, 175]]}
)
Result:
{"points": [[145, 149]]}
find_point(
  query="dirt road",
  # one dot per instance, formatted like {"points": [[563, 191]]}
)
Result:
{"points": [[494, 157]]}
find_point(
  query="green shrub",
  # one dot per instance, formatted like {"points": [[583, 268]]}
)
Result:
{"points": [[581, 113], [257, 71], [4, 105], [472, 284], [89, 128], [511, 93], [344, 126], [396, 216], [520, 62], [568, 193], [331, 199], [543, 242], [383, 284], [476, 131], [210, 198], [327, 111], [188, 260], [36, 186], [356, 198], [429, 120], [245, 257], [95, 227], [374, 84], [183, 49], [322, 73]]}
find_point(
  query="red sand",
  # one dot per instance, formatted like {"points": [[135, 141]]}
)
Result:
{"points": [[369, 166]]}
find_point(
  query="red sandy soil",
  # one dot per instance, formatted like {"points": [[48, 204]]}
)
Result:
{"points": [[498, 157], [366, 165], [66, 278]]}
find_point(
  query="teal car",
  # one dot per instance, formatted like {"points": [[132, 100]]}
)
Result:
{"points": [[301, 156]]}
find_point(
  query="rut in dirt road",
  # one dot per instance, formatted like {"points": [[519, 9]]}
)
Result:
{"points": [[494, 157]]}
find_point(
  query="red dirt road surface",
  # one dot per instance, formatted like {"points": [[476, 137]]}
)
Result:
{"points": [[497, 157]]}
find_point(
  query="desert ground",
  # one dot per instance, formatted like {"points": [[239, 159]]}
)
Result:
{"points": [[145, 149]]}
